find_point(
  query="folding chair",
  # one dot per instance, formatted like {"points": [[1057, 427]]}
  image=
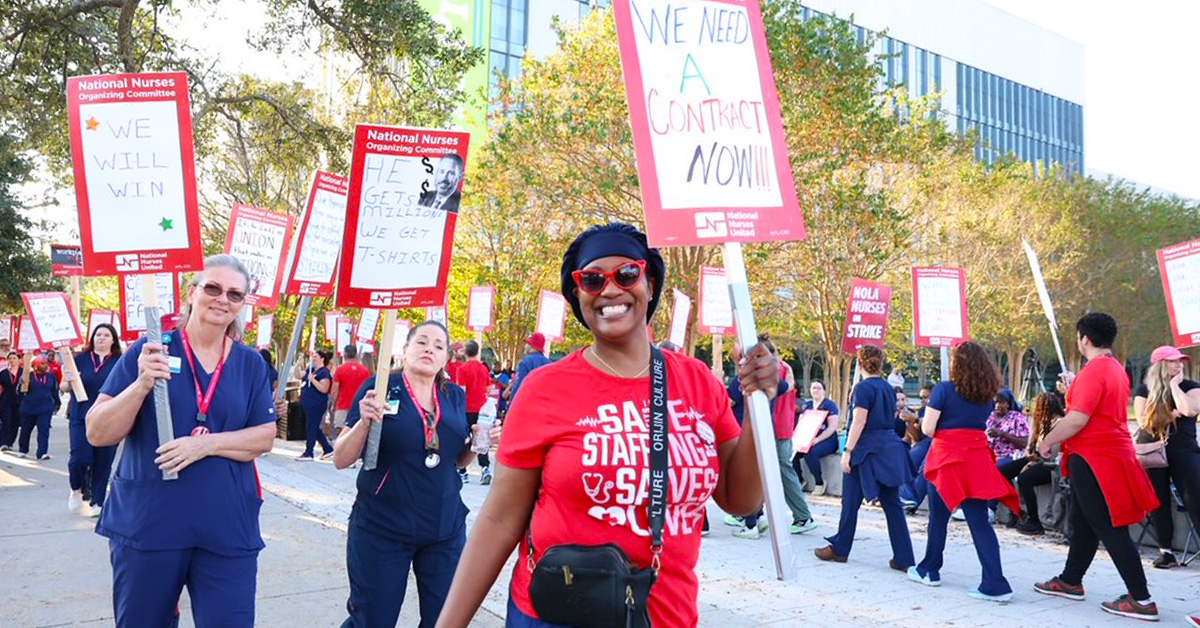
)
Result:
{"points": [[1192, 534]]}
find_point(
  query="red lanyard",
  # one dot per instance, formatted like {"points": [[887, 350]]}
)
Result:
{"points": [[203, 402], [41, 378], [429, 421], [100, 363]]}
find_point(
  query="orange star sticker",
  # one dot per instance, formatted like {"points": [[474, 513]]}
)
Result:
{"points": [[93, 123]]}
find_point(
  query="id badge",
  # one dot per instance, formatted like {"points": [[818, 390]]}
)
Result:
{"points": [[393, 407], [175, 363]]}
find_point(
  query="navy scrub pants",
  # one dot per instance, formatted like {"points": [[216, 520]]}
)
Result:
{"points": [[378, 567], [147, 586], [982, 534], [89, 467], [919, 487], [827, 447], [10, 421], [28, 421], [313, 415], [897, 525]]}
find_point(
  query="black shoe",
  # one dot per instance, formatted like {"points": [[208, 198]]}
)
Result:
{"points": [[1165, 560], [1012, 521], [1031, 528]]}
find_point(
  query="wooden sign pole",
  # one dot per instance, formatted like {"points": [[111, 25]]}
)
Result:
{"points": [[759, 413], [718, 356], [479, 339], [293, 346], [27, 362], [162, 402], [547, 351], [383, 370], [68, 365], [75, 299]]}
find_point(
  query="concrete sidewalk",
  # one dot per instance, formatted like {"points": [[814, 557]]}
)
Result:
{"points": [[55, 571]]}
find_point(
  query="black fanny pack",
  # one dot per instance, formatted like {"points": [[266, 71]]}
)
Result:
{"points": [[597, 586]]}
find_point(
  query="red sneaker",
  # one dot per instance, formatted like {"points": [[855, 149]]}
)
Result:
{"points": [[1126, 606], [1056, 587]]}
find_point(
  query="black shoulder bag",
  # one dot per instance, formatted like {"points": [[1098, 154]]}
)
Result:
{"points": [[597, 586]]}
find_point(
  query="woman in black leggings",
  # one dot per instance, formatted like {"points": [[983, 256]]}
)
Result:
{"points": [[1166, 405], [1032, 471]]}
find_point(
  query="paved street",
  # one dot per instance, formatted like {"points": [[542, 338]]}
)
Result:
{"points": [[54, 570]]}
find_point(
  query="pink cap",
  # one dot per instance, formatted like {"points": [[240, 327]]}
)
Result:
{"points": [[1166, 352]]}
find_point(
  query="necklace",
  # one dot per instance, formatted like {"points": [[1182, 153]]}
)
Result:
{"points": [[615, 371]]}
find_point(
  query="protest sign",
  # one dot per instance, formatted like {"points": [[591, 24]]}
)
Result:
{"points": [[331, 319], [716, 312], [807, 428], [133, 304], [314, 258], [679, 319], [368, 322], [345, 334], [27, 339], [400, 337], [707, 130], [437, 313], [1179, 266], [53, 321], [866, 315], [266, 329], [552, 315], [480, 303], [66, 260], [312, 336], [98, 316], [1039, 282], [405, 188], [135, 173], [7, 328], [939, 306], [259, 239]]}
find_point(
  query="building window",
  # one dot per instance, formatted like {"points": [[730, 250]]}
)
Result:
{"points": [[586, 6], [510, 26]]}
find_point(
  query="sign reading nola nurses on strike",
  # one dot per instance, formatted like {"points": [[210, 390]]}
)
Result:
{"points": [[405, 189], [707, 129]]}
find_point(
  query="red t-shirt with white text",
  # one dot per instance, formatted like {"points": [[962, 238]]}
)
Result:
{"points": [[349, 378], [475, 378], [588, 433]]}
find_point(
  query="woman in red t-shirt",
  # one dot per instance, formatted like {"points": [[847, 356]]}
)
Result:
{"points": [[573, 466]]}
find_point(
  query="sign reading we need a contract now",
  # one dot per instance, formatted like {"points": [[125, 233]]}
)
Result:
{"points": [[712, 159]]}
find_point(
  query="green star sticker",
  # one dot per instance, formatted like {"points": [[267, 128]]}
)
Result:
{"points": [[166, 224]]}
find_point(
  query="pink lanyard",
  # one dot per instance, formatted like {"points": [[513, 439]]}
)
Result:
{"points": [[205, 400], [429, 422]]}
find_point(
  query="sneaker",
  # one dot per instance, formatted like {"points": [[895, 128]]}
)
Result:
{"points": [[1056, 587], [305, 457], [734, 522], [21, 454], [462, 473], [1031, 528], [74, 500], [762, 524], [1003, 598], [1012, 521], [45, 457], [827, 554], [802, 527], [916, 576], [819, 490], [327, 455], [958, 515], [85, 510], [991, 516], [1165, 560], [486, 479], [747, 533], [1126, 606], [908, 503], [95, 512], [5, 448]]}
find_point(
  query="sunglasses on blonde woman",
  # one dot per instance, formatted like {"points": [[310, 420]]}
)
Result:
{"points": [[213, 290], [625, 277]]}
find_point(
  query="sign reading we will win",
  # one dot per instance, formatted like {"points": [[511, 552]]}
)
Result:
{"points": [[712, 159]]}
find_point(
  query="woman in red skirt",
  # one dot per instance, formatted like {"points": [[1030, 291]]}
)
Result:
{"points": [[961, 469]]}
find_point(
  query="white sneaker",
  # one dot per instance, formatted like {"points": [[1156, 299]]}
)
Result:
{"points": [[747, 533], [1003, 598], [819, 490], [75, 500], [958, 515], [916, 576], [95, 512], [85, 510]]}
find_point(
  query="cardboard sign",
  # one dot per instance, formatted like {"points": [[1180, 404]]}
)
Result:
{"points": [[368, 322], [66, 260], [716, 312], [7, 328], [939, 306], [1179, 266], [133, 307], [331, 319], [259, 239], [315, 256], [552, 315], [437, 313], [866, 315], [266, 329], [27, 339], [679, 319], [98, 317], [811, 423], [405, 189], [345, 334], [480, 305], [53, 321], [400, 337], [135, 173], [707, 130]]}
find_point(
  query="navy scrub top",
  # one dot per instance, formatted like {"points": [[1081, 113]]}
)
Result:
{"points": [[214, 503], [10, 388], [92, 379], [310, 397], [878, 398], [828, 405], [401, 498], [42, 396], [958, 413]]}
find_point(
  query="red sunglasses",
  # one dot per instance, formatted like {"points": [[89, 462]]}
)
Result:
{"points": [[625, 277]]}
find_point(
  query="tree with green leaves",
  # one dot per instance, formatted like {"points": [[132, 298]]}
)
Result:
{"points": [[23, 266]]}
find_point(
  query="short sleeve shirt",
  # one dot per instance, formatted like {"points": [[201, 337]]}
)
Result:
{"points": [[475, 379], [93, 371], [1101, 391], [878, 398], [214, 503], [309, 395], [588, 433], [827, 405], [958, 413], [1184, 435], [349, 377]]}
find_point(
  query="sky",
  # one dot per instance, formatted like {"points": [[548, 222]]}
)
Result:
{"points": [[1141, 84]]}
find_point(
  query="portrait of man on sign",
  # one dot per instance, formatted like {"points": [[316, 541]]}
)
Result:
{"points": [[446, 180]]}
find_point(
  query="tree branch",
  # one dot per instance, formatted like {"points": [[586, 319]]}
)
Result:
{"points": [[86, 6]]}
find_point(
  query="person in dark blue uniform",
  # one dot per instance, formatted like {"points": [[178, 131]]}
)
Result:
{"points": [[272, 374], [408, 511], [40, 403], [89, 467], [875, 464], [200, 530], [826, 442], [314, 399], [10, 401]]}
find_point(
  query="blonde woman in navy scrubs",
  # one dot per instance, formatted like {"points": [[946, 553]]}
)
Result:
{"points": [[200, 530], [408, 512]]}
